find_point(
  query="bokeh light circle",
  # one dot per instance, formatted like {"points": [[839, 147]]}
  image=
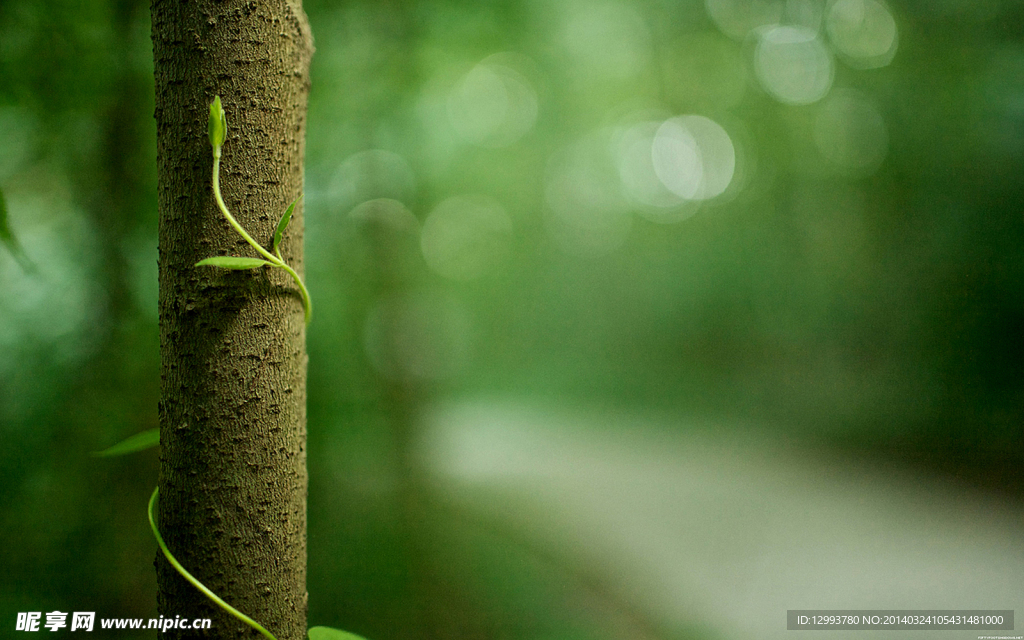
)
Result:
{"points": [[676, 159], [793, 64], [694, 157], [387, 213], [493, 105], [640, 181], [466, 236], [371, 174], [863, 32]]}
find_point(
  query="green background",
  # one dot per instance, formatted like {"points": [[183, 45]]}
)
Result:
{"points": [[855, 293]]}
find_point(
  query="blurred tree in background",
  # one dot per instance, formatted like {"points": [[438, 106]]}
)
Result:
{"points": [[795, 214]]}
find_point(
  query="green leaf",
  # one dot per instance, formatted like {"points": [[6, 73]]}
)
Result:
{"points": [[218, 124], [327, 633], [231, 262], [8, 238], [285, 219], [138, 442]]}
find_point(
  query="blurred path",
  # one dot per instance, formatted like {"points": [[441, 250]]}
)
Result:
{"points": [[728, 529]]}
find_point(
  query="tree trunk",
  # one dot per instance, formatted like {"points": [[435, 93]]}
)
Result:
{"points": [[232, 505]]}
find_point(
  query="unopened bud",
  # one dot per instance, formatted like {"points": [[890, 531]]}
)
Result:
{"points": [[218, 125]]}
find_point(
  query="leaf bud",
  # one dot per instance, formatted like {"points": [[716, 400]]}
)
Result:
{"points": [[218, 125]]}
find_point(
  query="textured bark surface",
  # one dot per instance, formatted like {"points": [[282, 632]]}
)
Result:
{"points": [[233, 386]]}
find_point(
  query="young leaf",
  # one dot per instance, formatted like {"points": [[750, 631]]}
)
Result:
{"points": [[285, 219], [138, 442], [231, 262], [327, 633], [218, 124], [8, 238]]}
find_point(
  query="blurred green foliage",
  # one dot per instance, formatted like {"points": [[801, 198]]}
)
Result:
{"points": [[478, 224]]}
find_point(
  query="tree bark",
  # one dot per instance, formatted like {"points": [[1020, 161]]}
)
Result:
{"points": [[232, 505]]}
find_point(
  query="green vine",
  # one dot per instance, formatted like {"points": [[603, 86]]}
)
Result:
{"points": [[195, 583], [314, 633], [218, 128], [150, 438]]}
